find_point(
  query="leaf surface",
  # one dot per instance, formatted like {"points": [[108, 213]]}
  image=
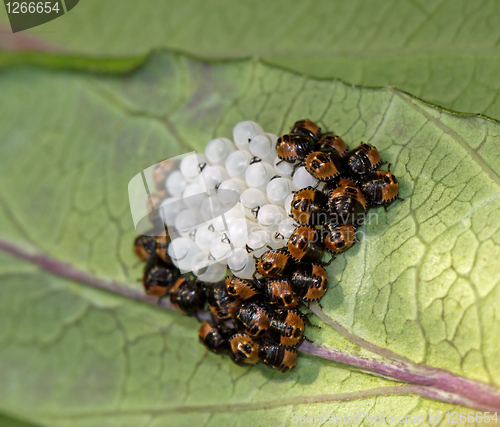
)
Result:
{"points": [[423, 284]]}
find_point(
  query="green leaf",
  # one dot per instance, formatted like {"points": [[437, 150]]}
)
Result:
{"points": [[444, 52], [422, 287], [6, 421]]}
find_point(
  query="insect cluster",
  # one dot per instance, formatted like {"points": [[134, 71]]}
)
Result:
{"points": [[308, 196]]}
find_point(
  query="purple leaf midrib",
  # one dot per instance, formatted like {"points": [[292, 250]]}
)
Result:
{"points": [[436, 383]]}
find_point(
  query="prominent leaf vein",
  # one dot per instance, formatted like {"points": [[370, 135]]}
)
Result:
{"points": [[438, 384], [472, 153]]}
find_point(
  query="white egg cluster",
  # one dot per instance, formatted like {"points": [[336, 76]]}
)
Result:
{"points": [[207, 244]]}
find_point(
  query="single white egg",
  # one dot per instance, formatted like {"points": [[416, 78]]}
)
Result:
{"points": [[222, 221], [210, 208], [175, 184], [205, 235], [220, 249], [272, 137], [303, 179], [229, 192], [190, 166], [286, 228], [193, 195], [271, 215], [257, 242], [206, 269], [238, 232], [261, 146], [242, 264], [288, 204], [237, 163], [283, 168], [251, 200], [211, 176], [259, 174], [179, 248], [186, 220], [278, 190], [169, 209], [182, 251], [245, 131], [218, 149]]}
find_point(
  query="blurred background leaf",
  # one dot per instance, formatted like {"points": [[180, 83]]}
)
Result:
{"points": [[446, 52], [6, 421]]}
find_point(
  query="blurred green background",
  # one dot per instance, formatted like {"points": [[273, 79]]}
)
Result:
{"points": [[446, 52]]}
